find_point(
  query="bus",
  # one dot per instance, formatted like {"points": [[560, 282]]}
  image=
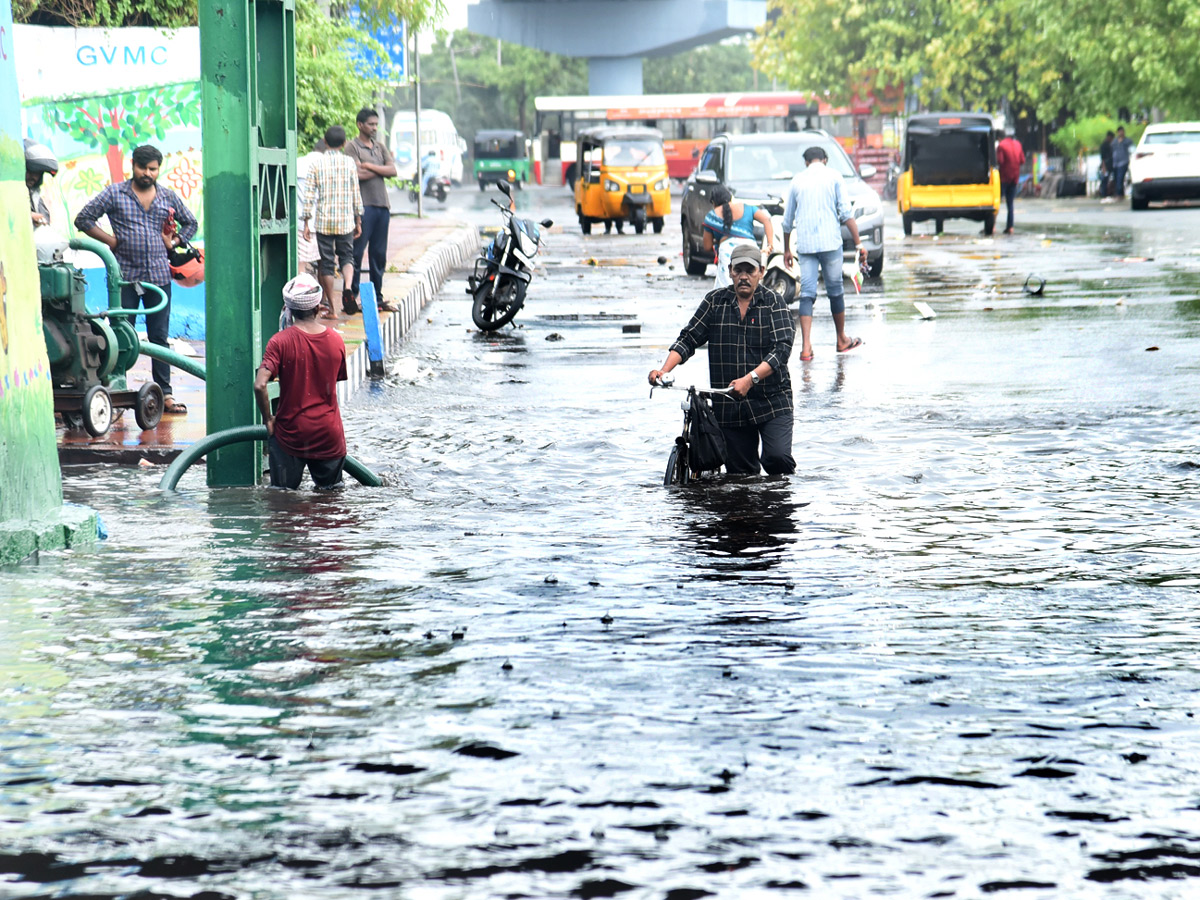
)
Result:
{"points": [[688, 121]]}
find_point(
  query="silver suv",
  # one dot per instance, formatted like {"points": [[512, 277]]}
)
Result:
{"points": [[756, 168]]}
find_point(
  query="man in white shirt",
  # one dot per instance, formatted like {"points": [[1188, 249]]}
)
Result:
{"points": [[812, 228]]}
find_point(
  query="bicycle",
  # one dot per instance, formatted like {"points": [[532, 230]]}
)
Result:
{"points": [[678, 469]]}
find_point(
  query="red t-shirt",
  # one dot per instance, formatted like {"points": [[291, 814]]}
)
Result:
{"points": [[308, 423], [1009, 157]]}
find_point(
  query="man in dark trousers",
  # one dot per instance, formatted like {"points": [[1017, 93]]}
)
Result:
{"points": [[1106, 166], [1122, 149], [1010, 156], [147, 220], [309, 360], [375, 163], [749, 333]]}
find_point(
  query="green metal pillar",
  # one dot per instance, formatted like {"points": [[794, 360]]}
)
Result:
{"points": [[248, 82]]}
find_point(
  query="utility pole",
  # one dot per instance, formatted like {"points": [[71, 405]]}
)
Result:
{"points": [[417, 118]]}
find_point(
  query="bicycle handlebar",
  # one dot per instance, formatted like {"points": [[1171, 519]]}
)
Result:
{"points": [[667, 382]]}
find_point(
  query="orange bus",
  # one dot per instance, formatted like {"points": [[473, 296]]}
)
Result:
{"points": [[687, 122]]}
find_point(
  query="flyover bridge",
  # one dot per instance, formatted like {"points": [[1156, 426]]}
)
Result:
{"points": [[615, 35]]}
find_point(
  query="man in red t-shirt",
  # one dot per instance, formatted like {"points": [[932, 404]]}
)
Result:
{"points": [[309, 360], [1010, 155]]}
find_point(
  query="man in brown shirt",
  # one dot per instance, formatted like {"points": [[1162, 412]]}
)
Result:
{"points": [[375, 163]]}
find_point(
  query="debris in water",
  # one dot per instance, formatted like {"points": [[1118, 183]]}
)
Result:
{"points": [[551, 579], [1150, 349], [607, 619], [555, 336]]}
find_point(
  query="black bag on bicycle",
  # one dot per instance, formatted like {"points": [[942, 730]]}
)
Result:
{"points": [[706, 443]]}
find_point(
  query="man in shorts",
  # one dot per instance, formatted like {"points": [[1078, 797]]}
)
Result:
{"points": [[332, 207], [309, 360]]}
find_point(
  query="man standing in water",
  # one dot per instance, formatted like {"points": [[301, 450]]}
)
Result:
{"points": [[749, 333], [812, 232], [143, 216], [309, 360]]}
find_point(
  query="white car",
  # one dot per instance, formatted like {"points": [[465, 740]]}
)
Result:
{"points": [[1165, 164]]}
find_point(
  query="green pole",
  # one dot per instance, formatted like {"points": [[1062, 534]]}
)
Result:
{"points": [[248, 96]]}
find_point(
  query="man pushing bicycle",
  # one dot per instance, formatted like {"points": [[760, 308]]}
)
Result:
{"points": [[749, 332]]}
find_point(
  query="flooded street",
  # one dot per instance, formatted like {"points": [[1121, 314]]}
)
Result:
{"points": [[954, 656]]}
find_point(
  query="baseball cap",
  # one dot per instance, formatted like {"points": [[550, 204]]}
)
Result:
{"points": [[745, 253]]}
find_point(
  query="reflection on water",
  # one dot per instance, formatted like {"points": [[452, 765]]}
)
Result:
{"points": [[954, 655]]}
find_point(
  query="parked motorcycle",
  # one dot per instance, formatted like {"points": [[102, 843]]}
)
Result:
{"points": [[505, 268]]}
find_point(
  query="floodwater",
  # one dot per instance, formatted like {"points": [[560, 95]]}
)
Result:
{"points": [[954, 656]]}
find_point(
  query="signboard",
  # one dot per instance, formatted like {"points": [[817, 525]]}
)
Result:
{"points": [[73, 61], [392, 67]]}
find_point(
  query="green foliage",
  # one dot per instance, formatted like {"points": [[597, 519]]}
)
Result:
{"points": [[1085, 135], [106, 13], [717, 68], [462, 77], [1034, 57], [331, 87]]}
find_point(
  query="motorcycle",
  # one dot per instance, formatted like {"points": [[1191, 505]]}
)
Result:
{"points": [[505, 268], [436, 184], [777, 277]]}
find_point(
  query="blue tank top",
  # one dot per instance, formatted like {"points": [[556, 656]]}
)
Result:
{"points": [[743, 227]]}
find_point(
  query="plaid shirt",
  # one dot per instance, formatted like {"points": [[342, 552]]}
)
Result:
{"points": [[140, 250], [737, 345], [331, 190]]}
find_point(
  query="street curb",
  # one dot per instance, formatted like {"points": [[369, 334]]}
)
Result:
{"points": [[420, 284]]}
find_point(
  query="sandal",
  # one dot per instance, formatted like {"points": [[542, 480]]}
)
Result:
{"points": [[173, 406], [328, 314]]}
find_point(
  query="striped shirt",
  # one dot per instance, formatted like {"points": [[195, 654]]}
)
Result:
{"points": [[736, 345], [140, 250], [816, 208], [331, 192]]}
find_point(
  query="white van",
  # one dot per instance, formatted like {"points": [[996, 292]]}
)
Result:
{"points": [[437, 133]]}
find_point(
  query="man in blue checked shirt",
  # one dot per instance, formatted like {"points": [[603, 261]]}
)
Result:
{"points": [[812, 226], [147, 220], [749, 333]]}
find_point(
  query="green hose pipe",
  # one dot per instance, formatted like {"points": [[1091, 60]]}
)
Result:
{"points": [[167, 355], [239, 435], [135, 311], [110, 265]]}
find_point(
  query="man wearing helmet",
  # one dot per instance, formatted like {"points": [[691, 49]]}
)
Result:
{"points": [[309, 360], [148, 220], [39, 162]]}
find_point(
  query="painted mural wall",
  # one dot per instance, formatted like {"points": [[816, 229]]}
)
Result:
{"points": [[92, 95], [30, 485]]}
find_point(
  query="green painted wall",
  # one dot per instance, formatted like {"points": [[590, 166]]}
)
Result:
{"points": [[31, 510]]}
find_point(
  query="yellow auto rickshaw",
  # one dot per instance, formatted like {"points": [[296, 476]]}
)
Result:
{"points": [[622, 177], [949, 170]]}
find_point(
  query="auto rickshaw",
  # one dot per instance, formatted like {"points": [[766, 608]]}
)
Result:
{"points": [[497, 153], [948, 170], [622, 178]]}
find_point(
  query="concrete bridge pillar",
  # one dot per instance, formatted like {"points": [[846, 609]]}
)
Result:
{"points": [[608, 75]]}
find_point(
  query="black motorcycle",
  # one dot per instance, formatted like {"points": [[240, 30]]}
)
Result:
{"points": [[505, 268]]}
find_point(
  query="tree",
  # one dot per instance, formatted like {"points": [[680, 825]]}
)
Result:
{"points": [[480, 85], [116, 123], [716, 68], [331, 84], [1026, 56]]}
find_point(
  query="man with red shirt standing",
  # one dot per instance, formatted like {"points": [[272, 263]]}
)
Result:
{"points": [[309, 360], [1009, 157]]}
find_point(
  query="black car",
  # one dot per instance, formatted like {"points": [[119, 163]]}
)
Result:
{"points": [[757, 169]]}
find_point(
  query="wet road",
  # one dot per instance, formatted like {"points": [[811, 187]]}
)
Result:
{"points": [[954, 656]]}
